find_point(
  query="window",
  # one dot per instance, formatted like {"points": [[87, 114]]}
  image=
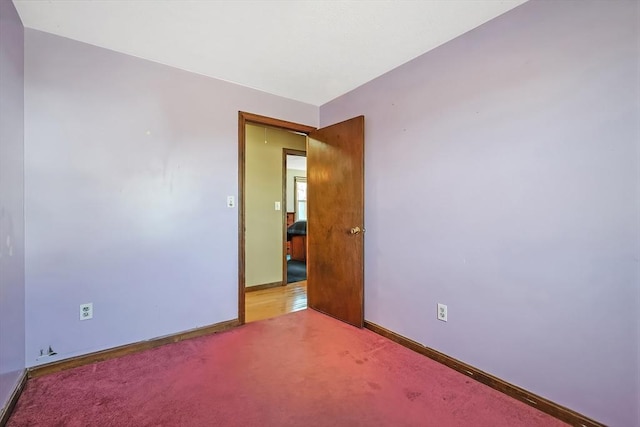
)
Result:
{"points": [[300, 198]]}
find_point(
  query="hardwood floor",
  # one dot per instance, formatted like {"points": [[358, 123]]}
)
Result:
{"points": [[273, 302]]}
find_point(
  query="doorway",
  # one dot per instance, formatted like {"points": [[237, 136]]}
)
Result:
{"points": [[335, 240], [295, 196], [262, 207]]}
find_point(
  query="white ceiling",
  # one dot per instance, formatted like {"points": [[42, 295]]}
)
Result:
{"points": [[311, 51]]}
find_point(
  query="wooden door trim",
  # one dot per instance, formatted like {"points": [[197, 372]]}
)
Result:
{"points": [[243, 119], [285, 153]]}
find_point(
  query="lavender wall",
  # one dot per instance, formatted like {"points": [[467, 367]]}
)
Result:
{"points": [[127, 167], [502, 180], [12, 282]]}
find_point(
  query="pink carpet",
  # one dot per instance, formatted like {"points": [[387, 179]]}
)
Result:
{"points": [[301, 369]]}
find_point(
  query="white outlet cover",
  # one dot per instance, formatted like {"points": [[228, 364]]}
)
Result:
{"points": [[442, 312], [231, 201], [86, 311]]}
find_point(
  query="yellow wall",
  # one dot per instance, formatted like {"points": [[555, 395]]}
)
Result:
{"points": [[263, 187]]}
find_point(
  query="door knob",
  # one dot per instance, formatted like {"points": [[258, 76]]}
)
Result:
{"points": [[355, 230]]}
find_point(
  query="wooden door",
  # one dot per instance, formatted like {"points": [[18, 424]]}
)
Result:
{"points": [[335, 199]]}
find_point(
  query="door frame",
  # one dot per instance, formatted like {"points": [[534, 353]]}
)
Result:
{"points": [[243, 119], [287, 152]]}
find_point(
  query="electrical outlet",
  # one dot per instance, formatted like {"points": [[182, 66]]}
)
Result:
{"points": [[442, 312], [231, 202], [46, 354], [86, 311]]}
